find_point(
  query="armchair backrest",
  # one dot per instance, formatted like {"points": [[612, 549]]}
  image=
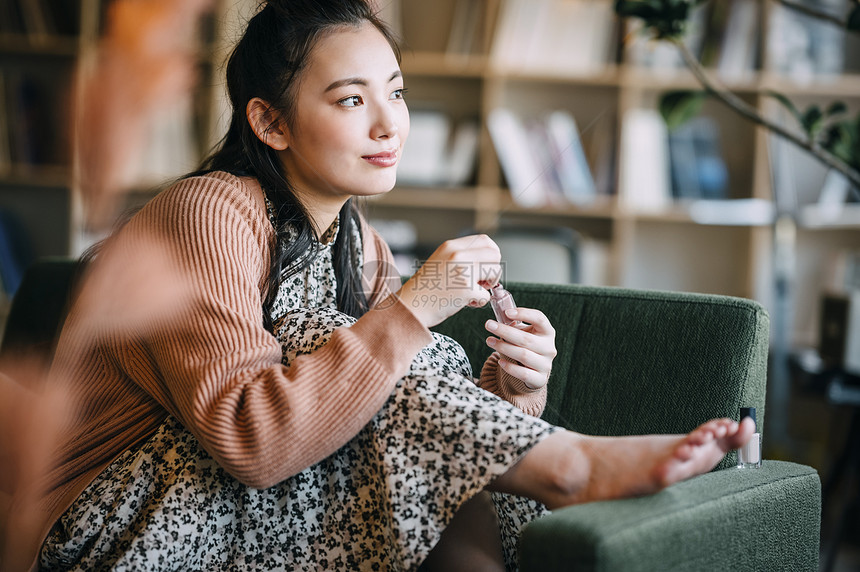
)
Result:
{"points": [[636, 362]]}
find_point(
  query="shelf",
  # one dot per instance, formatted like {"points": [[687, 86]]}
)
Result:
{"points": [[846, 85], [730, 212], [464, 199], [17, 45], [441, 64], [660, 79], [846, 217], [606, 76], [626, 76], [601, 208], [36, 176]]}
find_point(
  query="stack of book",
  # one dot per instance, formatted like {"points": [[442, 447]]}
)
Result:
{"points": [[542, 159]]}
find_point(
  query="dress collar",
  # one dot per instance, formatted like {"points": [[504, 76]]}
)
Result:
{"points": [[328, 238]]}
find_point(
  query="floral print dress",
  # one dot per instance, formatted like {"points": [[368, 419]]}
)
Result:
{"points": [[380, 502]]}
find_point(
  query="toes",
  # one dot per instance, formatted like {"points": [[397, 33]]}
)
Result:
{"points": [[684, 452], [742, 433]]}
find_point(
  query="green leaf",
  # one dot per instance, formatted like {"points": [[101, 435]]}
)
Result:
{"points": [[842, 140], [677, 107], [787, 103], [812, 120], [836, 108], [665, 19], [634, 9]]}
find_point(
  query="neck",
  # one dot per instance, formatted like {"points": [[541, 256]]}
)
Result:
{"points": [[322, 219], [321, 212]]}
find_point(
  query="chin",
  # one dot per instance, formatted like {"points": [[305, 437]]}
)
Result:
{"points": [[380, 187], [376, 192]]}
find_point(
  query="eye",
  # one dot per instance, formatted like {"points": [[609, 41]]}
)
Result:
{"points": [[398, 93], [351, 101]]}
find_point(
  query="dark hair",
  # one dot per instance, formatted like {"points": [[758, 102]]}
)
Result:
{"points": [[267, 63]]}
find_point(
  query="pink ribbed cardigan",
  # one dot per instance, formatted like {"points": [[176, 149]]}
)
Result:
{"points": [[216, 368]]}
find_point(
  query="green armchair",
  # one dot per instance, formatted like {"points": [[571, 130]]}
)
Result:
{"points": [[637, 362], [630, 362]]}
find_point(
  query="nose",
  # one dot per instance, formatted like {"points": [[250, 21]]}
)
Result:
{"points": [[384, 122]]}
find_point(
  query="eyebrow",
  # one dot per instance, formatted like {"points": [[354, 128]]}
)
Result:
{"points": [[358, 81]]}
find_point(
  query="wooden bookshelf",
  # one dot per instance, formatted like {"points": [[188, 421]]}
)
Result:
{"points": [[40, 44], [645, 248], [465, 77]]}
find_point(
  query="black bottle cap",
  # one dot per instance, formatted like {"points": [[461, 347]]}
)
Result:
{"points": [[748, 412]]}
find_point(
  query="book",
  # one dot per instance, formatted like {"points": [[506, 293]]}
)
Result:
{"points": [[36, 22], [513, 147], [644, 178], [737, 58], [803, 48], [682, 159], [697, 167], [466, 34], [513, 33], [11, 17], [581, 36], [544, 158], [424, 157], [38, 129], [568, 158], [462, 153], [601, 151], [567, 36]]}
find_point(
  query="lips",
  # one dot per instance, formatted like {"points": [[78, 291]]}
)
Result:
{"points": [[384, 159]]}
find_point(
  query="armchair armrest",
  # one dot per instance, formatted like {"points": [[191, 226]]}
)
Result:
{"points": [[754, 519]]}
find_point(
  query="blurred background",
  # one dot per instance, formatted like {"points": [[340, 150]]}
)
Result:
{"points": [[537, 121]]}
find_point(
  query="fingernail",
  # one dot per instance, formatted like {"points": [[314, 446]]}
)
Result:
{"points": [[492, 325], [512, 313], [491, 342]]}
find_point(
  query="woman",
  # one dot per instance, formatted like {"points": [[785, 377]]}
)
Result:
{"points": [[291, 409]]}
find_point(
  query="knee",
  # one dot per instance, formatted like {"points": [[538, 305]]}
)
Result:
{"points": [[562, 469]]}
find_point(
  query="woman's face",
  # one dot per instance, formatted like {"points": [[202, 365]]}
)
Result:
{"points": [[350, 120]]}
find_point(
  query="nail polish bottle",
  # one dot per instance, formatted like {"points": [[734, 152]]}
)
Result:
{"points": [[749, 456], [501, 300]]}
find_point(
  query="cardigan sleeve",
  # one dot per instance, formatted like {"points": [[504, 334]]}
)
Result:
{"points": [[496, 380], [219, 370]]}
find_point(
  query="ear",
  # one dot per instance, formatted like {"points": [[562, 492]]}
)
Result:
{"points": [[268, 124]]}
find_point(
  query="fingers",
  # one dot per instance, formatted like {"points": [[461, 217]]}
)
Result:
{"points": [[533, 345], [451, 278], [533, 354], [535, 318], [533, 378], [529, 346]]}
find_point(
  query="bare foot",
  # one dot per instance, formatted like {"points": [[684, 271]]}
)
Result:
{"points": [[569, 468]]}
